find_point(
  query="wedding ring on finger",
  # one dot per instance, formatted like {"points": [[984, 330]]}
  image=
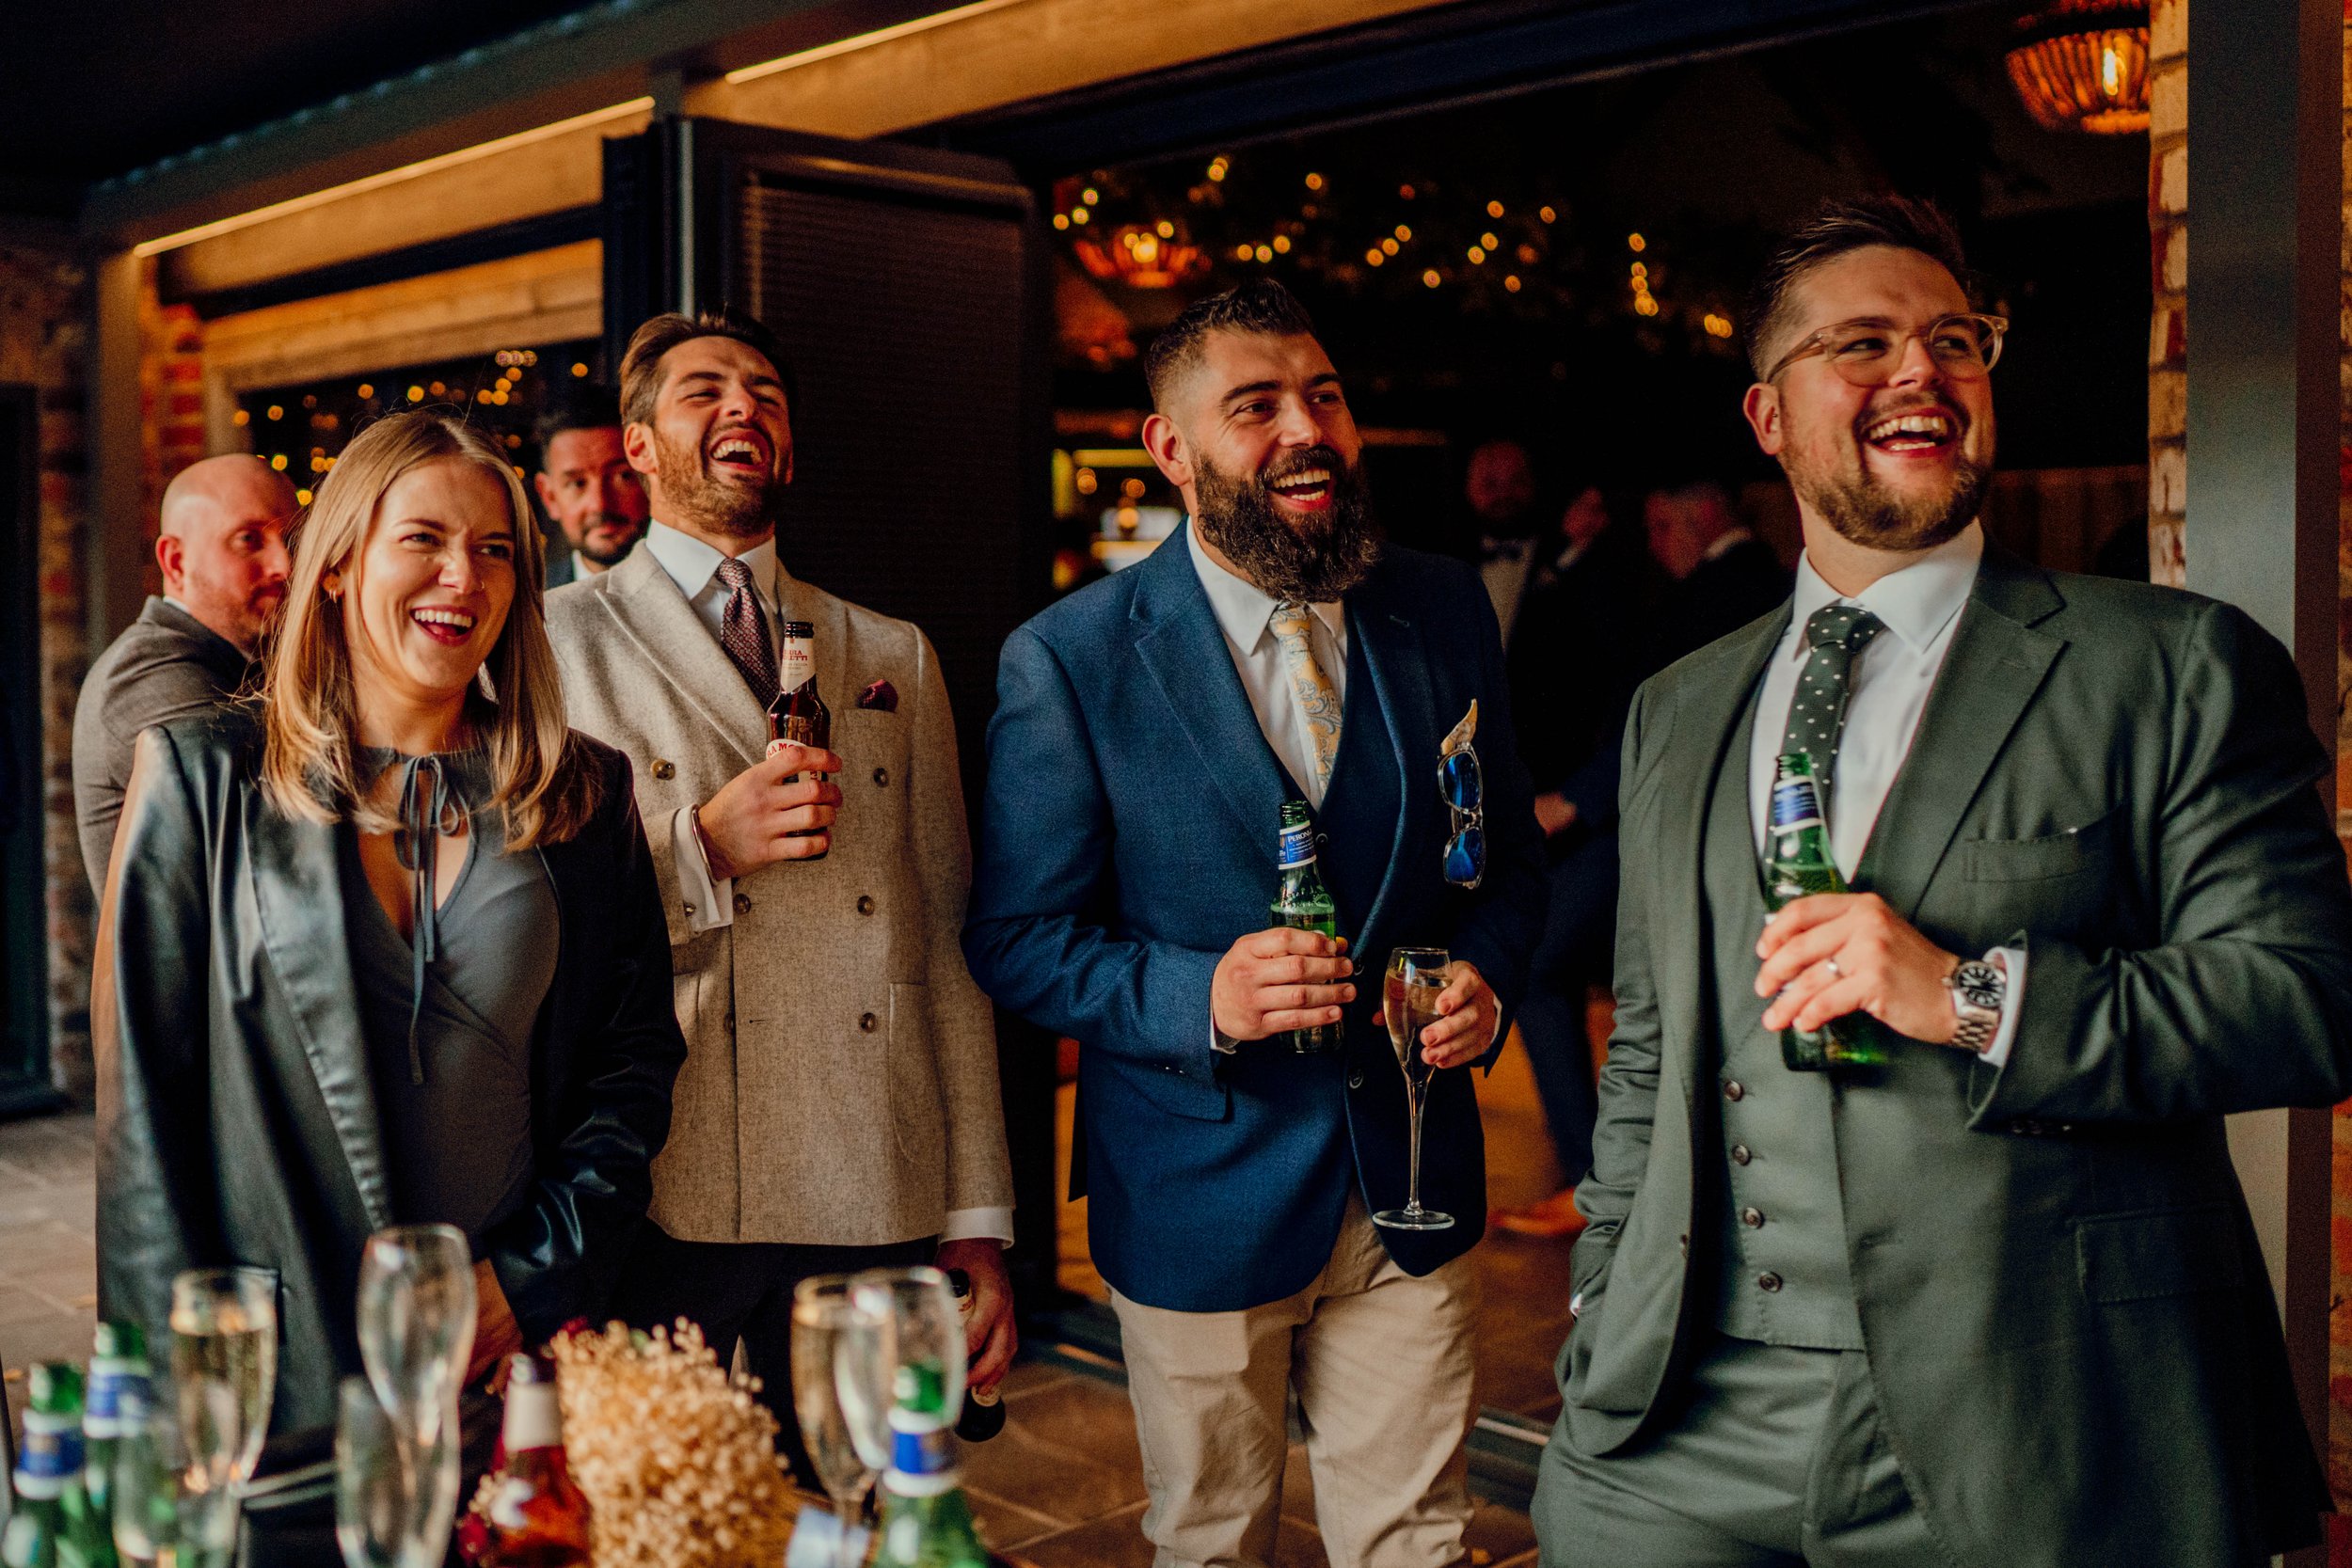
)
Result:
{"points": [[1831, 964]]}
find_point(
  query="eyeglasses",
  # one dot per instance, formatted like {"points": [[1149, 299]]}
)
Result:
{"points": [[1867, 352], [1464, 786]]}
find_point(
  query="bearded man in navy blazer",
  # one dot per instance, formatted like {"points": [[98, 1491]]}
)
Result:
{"points": [[1147, 732]]}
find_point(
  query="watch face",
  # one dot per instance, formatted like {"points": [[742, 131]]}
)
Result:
{"points": [[1979, 985]]}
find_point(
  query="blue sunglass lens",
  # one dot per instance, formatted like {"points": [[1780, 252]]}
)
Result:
{"points": [[1460, 780], [1466, 856]]}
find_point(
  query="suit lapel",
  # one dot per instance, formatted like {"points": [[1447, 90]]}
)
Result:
{"points": [[1717, 689], [649, 609], [1399, 663], [1178, 643], [298, 893], [1995, 664]]}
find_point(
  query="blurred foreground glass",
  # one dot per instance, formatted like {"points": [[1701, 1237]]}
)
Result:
{"points": [[912, 1310], [224, 1375], [370, 1479], [150, 1469], [416, 1322], [841, 1393]]}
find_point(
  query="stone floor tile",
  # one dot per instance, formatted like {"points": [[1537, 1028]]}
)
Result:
{"points": [[1003, 1525], [1115, 1541], [1068, 1453]]}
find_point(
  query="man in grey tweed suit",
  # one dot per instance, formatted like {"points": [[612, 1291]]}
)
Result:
{"points": [[839, 1107]]}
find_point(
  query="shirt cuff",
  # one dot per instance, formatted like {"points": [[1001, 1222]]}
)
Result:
{"points": [[2011, 960], [991, 1224], [1221, 1042], [709, 904]]}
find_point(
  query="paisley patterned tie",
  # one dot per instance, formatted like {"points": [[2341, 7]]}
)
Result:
{"points": [[1817, 717], [743, 631], [1318, 702]]}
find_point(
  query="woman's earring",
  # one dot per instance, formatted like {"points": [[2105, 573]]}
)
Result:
{"points": [[333, 583]]}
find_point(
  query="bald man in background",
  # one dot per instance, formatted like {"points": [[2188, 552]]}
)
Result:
{"points": [[222, 546]]}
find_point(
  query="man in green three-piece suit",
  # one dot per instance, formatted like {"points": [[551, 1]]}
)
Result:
{"points": [[1997, 1302]]}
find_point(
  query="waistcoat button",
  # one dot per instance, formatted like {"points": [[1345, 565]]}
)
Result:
{"points": [[1740, 1154], [1767, 1282], [881, 776], [742, 903], [663, 770], [1752, 1217], [867, 1022], [1356, 1079], [865, 906], [1734, 1091]]}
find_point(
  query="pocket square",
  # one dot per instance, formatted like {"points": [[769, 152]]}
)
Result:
{"points": [[881, 697]]}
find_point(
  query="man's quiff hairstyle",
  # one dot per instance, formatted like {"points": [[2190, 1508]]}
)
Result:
{"points": [[1830, 231], [1261, 305], [641, 365]]}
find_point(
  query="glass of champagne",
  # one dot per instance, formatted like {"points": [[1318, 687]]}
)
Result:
{"points": [[1410, 990], [829, 1357], [224, 1375], [150, 1469]]}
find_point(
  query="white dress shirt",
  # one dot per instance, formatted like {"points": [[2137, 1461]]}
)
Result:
{"points": [[1242, 612], [694, 565], [1892, 676]]}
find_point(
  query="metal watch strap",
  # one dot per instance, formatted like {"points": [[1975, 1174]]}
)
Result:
{"points": [[1977, 1024]]}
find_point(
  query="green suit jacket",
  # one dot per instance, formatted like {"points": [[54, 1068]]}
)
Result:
{"points": [[2069, 1323]]}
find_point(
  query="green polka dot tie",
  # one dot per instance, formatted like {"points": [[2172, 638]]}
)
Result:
{"points": [[1817, 717]]}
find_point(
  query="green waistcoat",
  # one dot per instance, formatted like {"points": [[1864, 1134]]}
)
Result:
{"points": [[1781, 1224]]}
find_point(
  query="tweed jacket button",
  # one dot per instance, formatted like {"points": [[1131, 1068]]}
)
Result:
{"points": [[690, 908], [867, 1023], [663, 770], [881, 776], [1767, 1282], [1740, 1154], [1752, 1217], [865, 904], [742, 903], [1734, 1091]]}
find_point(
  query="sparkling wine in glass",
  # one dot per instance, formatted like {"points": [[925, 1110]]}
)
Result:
{"points": [[1415, 978], [224, 1375], [833, 1374]]}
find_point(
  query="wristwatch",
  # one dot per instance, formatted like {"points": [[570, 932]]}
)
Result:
{"points": [[1977, 989]]}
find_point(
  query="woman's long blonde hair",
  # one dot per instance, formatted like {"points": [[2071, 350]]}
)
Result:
{"points": [[308, 708]]}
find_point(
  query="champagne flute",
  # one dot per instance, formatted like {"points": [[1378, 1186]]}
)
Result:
{"points": [[824, 1337], [922, 1350], [417, 1307], [416, 1324], [372, 1495], [150, 1471], [224, 1376], [1416, 978]]}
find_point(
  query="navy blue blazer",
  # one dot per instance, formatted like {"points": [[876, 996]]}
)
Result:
{"points": [[1128, 839]]}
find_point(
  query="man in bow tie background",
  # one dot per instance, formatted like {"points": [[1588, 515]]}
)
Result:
{"points": [[1149, 730], [1996, 1304], [839, 1107]]}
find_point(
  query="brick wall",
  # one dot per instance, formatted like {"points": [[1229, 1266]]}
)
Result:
{"points": [[45, 336], [2168, 244]]}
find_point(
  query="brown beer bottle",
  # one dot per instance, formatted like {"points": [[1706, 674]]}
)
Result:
{"points": [[798, 714], [537, 1514]]}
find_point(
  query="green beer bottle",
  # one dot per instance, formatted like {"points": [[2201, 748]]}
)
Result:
{"points": [[1797, 864], [119, 1391], [1303, 905], [54, 1525], [925, 1521]]}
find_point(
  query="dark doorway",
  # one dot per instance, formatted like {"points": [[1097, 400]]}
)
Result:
{"points": [[24, 1082]]}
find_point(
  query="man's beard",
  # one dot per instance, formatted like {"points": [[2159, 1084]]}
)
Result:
{"points": [[712, 504], [1315, 560], [1865, 510], [625, 529]]}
